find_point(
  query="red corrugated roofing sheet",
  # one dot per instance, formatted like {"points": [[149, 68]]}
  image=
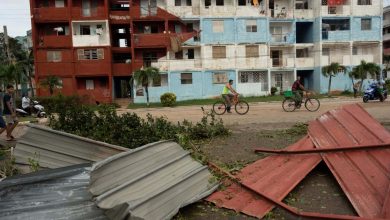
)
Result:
{"points": [[274, 176], [363, 175]]}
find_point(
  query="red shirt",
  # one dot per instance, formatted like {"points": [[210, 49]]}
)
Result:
{"points": [[296, 86]]}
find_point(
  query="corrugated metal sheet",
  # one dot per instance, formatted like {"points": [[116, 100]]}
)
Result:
{"points": [[274, 176], [55, 149], [151, 182], [50, 194], [364, 176]]}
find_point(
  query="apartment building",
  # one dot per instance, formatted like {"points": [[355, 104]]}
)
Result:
{"points": [[198, 45]]}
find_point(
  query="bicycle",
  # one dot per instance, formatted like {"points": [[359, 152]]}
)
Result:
{"points": [[289, 104], [240, 106]]}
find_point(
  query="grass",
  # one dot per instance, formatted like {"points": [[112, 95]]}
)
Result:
{"points": [[209, 101]]}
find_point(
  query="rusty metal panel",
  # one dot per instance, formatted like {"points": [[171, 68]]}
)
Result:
{"points": [[364, 176], [274, 176], [55, 149]]}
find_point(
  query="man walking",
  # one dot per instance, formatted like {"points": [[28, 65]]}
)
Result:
{"points": [[9, 112]]}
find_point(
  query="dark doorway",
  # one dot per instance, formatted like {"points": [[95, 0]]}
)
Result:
{"points": [[306, 78], [304, 32], [123, 87]]}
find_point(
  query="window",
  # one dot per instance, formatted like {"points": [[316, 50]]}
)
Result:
{"points": [[366, 24], [364, 2], [279, 81], [252, 51], [220, 78], [254, 77], [189, 2], [207, 3], [85, 30], [219, 2], [89, 85], [177, 28], [179, 55], [54, 56], [121, 31], [191, 54], [219, 52], [251, 26], [324, 2], [218, 26], [190, 27], [59, 3], [186, 78], [90, 54], [161, 81], [242, 2], [302, 53], [276, 30], [177, 2], [325, 51], [354, 51]]}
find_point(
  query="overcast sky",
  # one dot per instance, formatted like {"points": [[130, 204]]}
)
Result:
{"points": [[16, 15]]}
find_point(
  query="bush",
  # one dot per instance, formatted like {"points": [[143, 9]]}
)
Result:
{"points": [[168, 99], [57, 102], [129, 130], [273, 90], [387, 83]]}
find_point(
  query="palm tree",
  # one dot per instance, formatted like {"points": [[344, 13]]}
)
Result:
{"points": [[331, 71], [51, 82], [144, 76], [362, 70], [27, 65]]}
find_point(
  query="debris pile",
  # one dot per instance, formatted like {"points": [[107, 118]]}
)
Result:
{"points": [[361, 166]]}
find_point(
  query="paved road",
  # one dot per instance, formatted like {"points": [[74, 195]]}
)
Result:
{"points": [[266, 113]]}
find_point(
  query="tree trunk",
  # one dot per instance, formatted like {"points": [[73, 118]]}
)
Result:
{"points": [[147, 95], [330, 83], [361, 85], [51, 90], [17, 88], [31, 86]]}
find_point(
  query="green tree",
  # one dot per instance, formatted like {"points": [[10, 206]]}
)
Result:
{"points": [[51, 83], [144, 76], [362, 71], [27, 66], [331, 71]]}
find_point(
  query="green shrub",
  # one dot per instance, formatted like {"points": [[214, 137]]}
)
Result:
{"points": [[168, 99], [129, 130], [273, 90], [387, 83]]}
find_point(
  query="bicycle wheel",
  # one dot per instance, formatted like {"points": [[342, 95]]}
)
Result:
{"points": [[312, 104], [219, 108], [288, 105], [242, 107]]}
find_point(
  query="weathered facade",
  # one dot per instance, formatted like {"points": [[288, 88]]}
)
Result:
{"points": [[257, 43]]}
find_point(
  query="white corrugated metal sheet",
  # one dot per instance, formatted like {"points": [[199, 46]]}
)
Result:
{"points": [[53, 149], [60, 193], [151, 182]]}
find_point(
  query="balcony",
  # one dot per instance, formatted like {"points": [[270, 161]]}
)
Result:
{"points": [[304, 13], [119, 17], [342, 10], [304, 62], [282, 62], [218, 64], [183, 11], [90, 40], [344, 60], [54, 68], [218, 11], [151, 40], [341, 35], [286, 38], [92, 67], [98, 14], [252, 62], [246, 11], [51, 14], [122, 69], [281, 13], [357, 58], [55, 41], [136, 12]]}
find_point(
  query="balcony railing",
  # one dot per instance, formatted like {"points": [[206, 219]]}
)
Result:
{"points": [[282, 62], [51, 14], [283, 38], [122, 69], [54, 41], [151, 40], [281, 13]]}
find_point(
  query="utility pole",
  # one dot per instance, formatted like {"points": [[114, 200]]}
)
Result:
{"points": [[6, 44]]}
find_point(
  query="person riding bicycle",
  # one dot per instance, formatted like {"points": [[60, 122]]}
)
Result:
{"points": [[228, 93], [297, 89]]}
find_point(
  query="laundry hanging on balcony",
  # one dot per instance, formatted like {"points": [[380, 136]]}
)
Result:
{"points": [[335, 2]]}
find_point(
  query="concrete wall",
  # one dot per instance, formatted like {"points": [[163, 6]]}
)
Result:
{"points": [[210, 37], [366, 35], [251, 37]]}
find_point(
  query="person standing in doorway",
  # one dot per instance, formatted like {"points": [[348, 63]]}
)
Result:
{"points": [[9, 112]]}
